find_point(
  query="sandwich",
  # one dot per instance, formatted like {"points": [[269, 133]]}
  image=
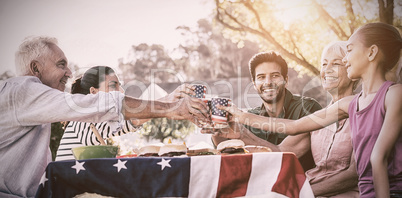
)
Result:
{"points": [[149, 151], [201, 148], [257, 149], [203, 151], [231, 147], [172, 150]]}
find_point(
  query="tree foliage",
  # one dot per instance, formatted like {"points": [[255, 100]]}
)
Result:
{"points": [[147, 63], [312, 24], [205, 55], [209, 55], [57, 131]]}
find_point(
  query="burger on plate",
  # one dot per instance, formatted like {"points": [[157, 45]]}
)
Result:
{"points": [[257, 149], [231, 147], [149, 151], [172, 150]]}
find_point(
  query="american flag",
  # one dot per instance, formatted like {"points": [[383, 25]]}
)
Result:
{"points": [[200, 91], [272, 174], [217, 114]]}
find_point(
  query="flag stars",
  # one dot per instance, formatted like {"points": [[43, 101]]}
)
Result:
{"points": [[120, 165], [164, 163], [200, 91], [78, 166], [221, 102], [43, 179]]}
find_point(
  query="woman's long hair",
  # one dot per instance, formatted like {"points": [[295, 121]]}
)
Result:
{"points": [[91, 78]]}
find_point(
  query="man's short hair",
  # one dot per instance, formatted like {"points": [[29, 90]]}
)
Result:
{"points": [[270, 56], [30, 49]]}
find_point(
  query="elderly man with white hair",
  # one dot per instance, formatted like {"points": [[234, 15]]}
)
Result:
{"points": [[30, 102]]}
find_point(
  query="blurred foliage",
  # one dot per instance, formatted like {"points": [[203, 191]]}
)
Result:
{"points": [[57, 132], [145, 61], [205, 54], [163, 128], [299, 29]]}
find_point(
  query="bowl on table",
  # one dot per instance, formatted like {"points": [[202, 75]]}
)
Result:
{"points": [[95, 151]]}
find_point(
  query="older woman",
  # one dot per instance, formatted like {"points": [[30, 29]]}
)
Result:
{"points": [[335, 172]]}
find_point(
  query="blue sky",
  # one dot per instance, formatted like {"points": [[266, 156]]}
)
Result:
{"points": [[94, 32]]}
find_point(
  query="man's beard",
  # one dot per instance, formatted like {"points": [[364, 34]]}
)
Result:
{"points": [[281, 93]]}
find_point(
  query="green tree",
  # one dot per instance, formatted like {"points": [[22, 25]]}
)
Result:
{"points": [[300, 38], [57, 131]]}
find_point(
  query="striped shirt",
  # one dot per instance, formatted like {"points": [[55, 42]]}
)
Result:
{"points": [[79, 134]]}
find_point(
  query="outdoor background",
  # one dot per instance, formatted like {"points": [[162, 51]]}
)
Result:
{"points": [[164, 43]]}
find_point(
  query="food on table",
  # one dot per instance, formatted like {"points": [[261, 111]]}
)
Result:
{"points": [[149, 151], [257, 149], [204, 151], [110, 141], [127, 155], [172, 150], [231, 147], [128, 144]]}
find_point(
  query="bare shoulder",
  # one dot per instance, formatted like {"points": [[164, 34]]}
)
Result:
{"points": [[395, 88], [393, 96]]}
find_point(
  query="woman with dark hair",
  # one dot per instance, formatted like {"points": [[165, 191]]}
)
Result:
{"points": [[375, 114], [94, 80], [98, 78]]}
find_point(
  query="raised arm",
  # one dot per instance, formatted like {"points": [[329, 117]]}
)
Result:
{"points": [[315, 121], [182, 91], [238, 131], [298, 144], [389, 135], [188, 108]]}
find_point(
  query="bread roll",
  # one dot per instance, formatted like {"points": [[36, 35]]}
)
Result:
{"points": [[231, 147], [257, 149], [235, 143], [149, 150], [171, 150]]}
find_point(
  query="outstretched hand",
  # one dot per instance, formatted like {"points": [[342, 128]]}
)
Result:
{"points": [[234, 131], [180, 92], [233, 110], [189, 108]]}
